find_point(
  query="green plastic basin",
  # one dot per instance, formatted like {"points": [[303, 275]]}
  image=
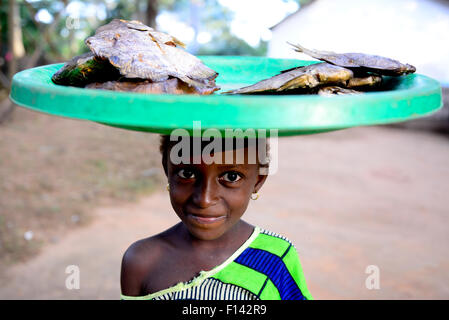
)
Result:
{"points": [[403, 98]]}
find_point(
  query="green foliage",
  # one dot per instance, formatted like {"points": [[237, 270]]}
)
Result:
{"points": [[3, 26], [122, 10]]}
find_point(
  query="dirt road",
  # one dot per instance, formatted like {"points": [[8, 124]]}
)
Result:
{"points": [[350, 199]]}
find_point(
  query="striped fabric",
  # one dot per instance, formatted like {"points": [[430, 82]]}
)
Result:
{"points": [[273, 234], [210, 289], [265, 267]]}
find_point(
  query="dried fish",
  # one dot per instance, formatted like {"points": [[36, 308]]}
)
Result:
{"points": [[137, 51], [124, 50], [367, 62], [335, 90], [84, 69], [364, 81], [170, 86], [305, 77]]}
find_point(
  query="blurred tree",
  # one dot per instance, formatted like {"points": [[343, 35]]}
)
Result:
{"points": [[49, 32], [4, 81], [151, 13], [16, 50], [35, 32], [54, 40], [122, 9], [49, 35]]}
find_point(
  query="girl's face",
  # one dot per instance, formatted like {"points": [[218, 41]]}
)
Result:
{"points": [[211, 198]]}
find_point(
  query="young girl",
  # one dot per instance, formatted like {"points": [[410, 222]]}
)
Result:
{"points": [[212, 254]]}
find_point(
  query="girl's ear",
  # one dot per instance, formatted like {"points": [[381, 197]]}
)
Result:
{"points": [[260, 181]]}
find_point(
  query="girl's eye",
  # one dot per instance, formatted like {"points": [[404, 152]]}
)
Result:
{"points": [[231, 177], [186, 174]]}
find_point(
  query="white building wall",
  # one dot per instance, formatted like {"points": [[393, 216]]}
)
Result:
{"points": [[411, 31]]}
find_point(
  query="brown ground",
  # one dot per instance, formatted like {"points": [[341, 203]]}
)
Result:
{"points": [[347, 199], [53, 171]]}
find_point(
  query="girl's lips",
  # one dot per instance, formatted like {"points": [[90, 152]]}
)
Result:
{"points": [[206, 220]]}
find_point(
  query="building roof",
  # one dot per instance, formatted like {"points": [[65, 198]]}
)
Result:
{"points": [[292, 14]]}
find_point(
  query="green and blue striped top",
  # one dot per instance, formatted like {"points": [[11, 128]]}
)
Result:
{"points": [[265, 267]]}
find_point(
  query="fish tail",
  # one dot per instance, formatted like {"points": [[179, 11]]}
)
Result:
{"points": [[301, 49], [297, 47]]}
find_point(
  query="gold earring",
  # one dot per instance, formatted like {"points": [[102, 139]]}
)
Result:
{"points": [[256, 196], [168, 187]]}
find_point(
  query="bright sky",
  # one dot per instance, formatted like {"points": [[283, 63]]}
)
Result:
{"points": [[253, 18], [76, 9]]}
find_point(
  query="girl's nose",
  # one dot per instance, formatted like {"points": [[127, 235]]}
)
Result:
{"points": [[205, 194]]}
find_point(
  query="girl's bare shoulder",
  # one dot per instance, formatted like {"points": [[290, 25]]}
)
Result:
{"points": [[140, 258]]}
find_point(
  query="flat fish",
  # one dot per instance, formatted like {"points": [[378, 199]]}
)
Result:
{"points": [[170, 86], [306, 77], [367, 62], [138, 51]]}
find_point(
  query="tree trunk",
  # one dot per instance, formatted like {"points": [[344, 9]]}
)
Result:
{"points": [[1, 32], [151, 13], [6, 109], [15, 41]]}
